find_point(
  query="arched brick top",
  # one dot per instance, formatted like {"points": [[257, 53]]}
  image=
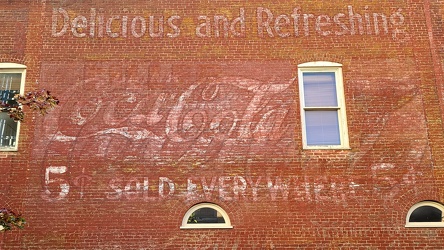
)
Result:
{"points": [[322, 57], [11, 59], [405, 202]]}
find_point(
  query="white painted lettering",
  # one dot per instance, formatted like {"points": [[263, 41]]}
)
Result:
{"points": [[254, 187], [352, 16], [115, 184], [109, 27], [55, 22], [320, 23], [146, 188], [296, 16], [261, 23], [383, 18], [344, 29], [78, 26], [223, 187], [134, 26], [124, 26], [220, 23], [307, 23], [132, 192], [92, 22], [277, 186], [191, 189], [239, 187], [397, 20], [62, 184], [101, 23], [175, 27], [203, 29], [208, 189], [162, 187], [240, 22], [152, 29], [269, 25], [280, 22]]}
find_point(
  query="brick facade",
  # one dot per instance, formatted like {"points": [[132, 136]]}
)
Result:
{"points": [[166, 104]]}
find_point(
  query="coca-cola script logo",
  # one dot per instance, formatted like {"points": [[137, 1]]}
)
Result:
{"points": [[212, 119]]}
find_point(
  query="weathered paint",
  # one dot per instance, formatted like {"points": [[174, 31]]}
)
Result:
{"points": [[236, 188], [165, 104], [268, 24]]}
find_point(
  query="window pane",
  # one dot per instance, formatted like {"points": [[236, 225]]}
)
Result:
{"points": [[426, 214], [320, 89], [8, 130], [206, 215], [9, 87], [322, 128]]}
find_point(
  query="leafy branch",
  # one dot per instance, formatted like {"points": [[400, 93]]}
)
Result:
{"points": [[9, 219], [41, 101]]}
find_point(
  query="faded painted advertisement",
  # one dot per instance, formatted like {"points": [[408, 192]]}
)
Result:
{"points": [[98, 23], [147, 132], [165, 115]]}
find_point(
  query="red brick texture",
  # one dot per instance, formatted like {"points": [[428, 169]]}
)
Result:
{"points": [[166, 104]]}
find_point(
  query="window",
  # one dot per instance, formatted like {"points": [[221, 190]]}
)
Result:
{"points": [[205, 215], [12, 81], [323, 113], [425, 214]]}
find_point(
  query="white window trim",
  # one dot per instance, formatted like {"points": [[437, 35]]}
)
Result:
{"points": [[324, 66], [14, 68], [424, 224], [186, 225]]}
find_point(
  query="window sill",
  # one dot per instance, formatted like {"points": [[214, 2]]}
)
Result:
{"points": [[6, 154], [206, 226], [425, 224], [326, 148], [8, 150]]}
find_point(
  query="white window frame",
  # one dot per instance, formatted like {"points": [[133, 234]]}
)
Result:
{"points": [[424, 224], [186, 225], [14, 68], [336, 68]]}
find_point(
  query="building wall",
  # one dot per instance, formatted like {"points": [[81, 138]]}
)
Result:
{"points": [[152, 122]]}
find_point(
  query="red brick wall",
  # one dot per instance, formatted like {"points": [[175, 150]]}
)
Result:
{"points": [[152, 123], [437, 42]]}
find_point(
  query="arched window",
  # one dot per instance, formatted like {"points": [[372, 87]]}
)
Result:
{"points": [[205, 215], [425, 214]]}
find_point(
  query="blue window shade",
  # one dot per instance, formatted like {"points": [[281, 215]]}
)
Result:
{"points": [[320, 89], [322, 127]]}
